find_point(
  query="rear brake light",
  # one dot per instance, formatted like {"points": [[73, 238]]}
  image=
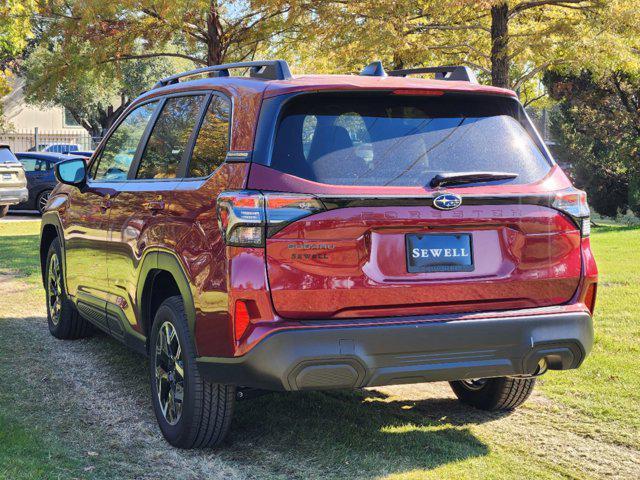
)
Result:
{"points": [[247, 217], [573, 202], [418, 91]]}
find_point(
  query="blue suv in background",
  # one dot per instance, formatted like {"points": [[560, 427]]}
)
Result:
{"points": [[38, 168]]}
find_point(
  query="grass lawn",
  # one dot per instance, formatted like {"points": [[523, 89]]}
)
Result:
{"points": [[80, 409]]}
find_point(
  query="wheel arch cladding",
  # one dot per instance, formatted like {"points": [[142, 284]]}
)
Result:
{"points": [[161, 277], [48, 234]]}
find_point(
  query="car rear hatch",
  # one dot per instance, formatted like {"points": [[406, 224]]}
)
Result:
{"points": [[365, 228], [11, 171]]}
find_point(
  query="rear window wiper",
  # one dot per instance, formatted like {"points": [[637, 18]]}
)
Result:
{"points": [[460, 178]]}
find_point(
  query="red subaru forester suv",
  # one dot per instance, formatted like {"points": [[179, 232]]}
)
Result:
{"points": [[272, 232]]}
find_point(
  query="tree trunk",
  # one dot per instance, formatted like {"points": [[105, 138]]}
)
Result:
{"points": [[215, 55], [500, 45]]}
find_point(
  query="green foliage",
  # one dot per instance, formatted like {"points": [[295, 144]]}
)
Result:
{"points": [[540, 35], [59, 74], [597, 124], [15, 31]]}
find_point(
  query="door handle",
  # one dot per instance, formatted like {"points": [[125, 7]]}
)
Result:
{"points": [[154, 206]]}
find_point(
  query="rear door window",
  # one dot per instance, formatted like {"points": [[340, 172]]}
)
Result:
{"points": [[397, 140], [31, 164], [170, 137], [117, 154]]}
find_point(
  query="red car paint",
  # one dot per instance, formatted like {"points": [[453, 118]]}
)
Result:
{"points": [[531, 258]]}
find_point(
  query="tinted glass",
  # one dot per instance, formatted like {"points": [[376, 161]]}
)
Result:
{"points": [[169, 138], [6, 155], [34, 164], [121, 146], [211, 146], [403, 140]]}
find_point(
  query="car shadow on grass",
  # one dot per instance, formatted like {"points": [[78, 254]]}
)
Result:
{"points": [[344, 434], [355, 433]]}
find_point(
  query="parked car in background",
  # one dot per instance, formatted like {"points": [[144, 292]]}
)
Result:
{"points": [[38, 168], [79, 153], [56, 148], [13, 183]]}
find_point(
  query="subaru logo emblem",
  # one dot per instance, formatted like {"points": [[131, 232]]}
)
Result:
{"points": [[447, 201]]}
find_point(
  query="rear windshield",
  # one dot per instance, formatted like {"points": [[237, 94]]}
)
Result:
{"points": [[6, 156], [403, 140]]}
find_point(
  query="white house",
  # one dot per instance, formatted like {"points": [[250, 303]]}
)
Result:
{"points": [[27, 122]]}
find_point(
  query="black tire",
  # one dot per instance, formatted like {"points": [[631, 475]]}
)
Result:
{"points": [[3, 210], [62, 316], [41, 201], [205, 413], [503, 393]]}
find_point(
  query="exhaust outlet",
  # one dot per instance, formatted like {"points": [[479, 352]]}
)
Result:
{"points": [[541, 368]]}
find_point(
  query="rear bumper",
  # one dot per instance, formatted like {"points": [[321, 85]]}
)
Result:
{"points": [[11, 196], [379, 354]]}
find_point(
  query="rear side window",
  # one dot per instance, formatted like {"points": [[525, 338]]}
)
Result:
{"points": [[118, 152], [170, 137], [403, 140], [212, 143], [31, 164]]}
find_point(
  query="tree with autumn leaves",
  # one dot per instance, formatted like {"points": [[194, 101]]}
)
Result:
{"points": [[94, 56]]}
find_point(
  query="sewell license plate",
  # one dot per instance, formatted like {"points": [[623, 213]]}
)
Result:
{"points": [[436, 252], [6, 177]]}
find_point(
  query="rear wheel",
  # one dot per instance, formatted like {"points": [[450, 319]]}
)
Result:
{"points": [[41, 202], [62, 316], [504, 393], [191, 411], [3, 210]]}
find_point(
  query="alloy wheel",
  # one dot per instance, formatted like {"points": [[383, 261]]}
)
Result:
{"points": [[474, 383], [42, 201], [169, 367], [54, 289]]}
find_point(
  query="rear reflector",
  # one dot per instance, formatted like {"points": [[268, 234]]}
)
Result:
{"points": [[247, 217], [590, 297], [240, 319]]}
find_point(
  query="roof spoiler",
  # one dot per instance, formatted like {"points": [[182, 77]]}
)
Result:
{"points": [[265, 69], [451, 73]]}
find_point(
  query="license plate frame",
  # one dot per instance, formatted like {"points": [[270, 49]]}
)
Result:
{"points": [[459, 252]]}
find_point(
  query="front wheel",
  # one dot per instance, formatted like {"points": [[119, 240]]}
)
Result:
{"points": [[503, 393], [191, 411]]}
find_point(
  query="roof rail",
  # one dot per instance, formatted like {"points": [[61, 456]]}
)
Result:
{"points": [[453, 73], [266, 69]]}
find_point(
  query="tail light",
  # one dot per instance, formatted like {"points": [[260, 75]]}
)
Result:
{"points": [[573, 202], [247, 217]]}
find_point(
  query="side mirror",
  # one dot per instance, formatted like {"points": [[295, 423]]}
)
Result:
{"points": [[71, 172]]}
